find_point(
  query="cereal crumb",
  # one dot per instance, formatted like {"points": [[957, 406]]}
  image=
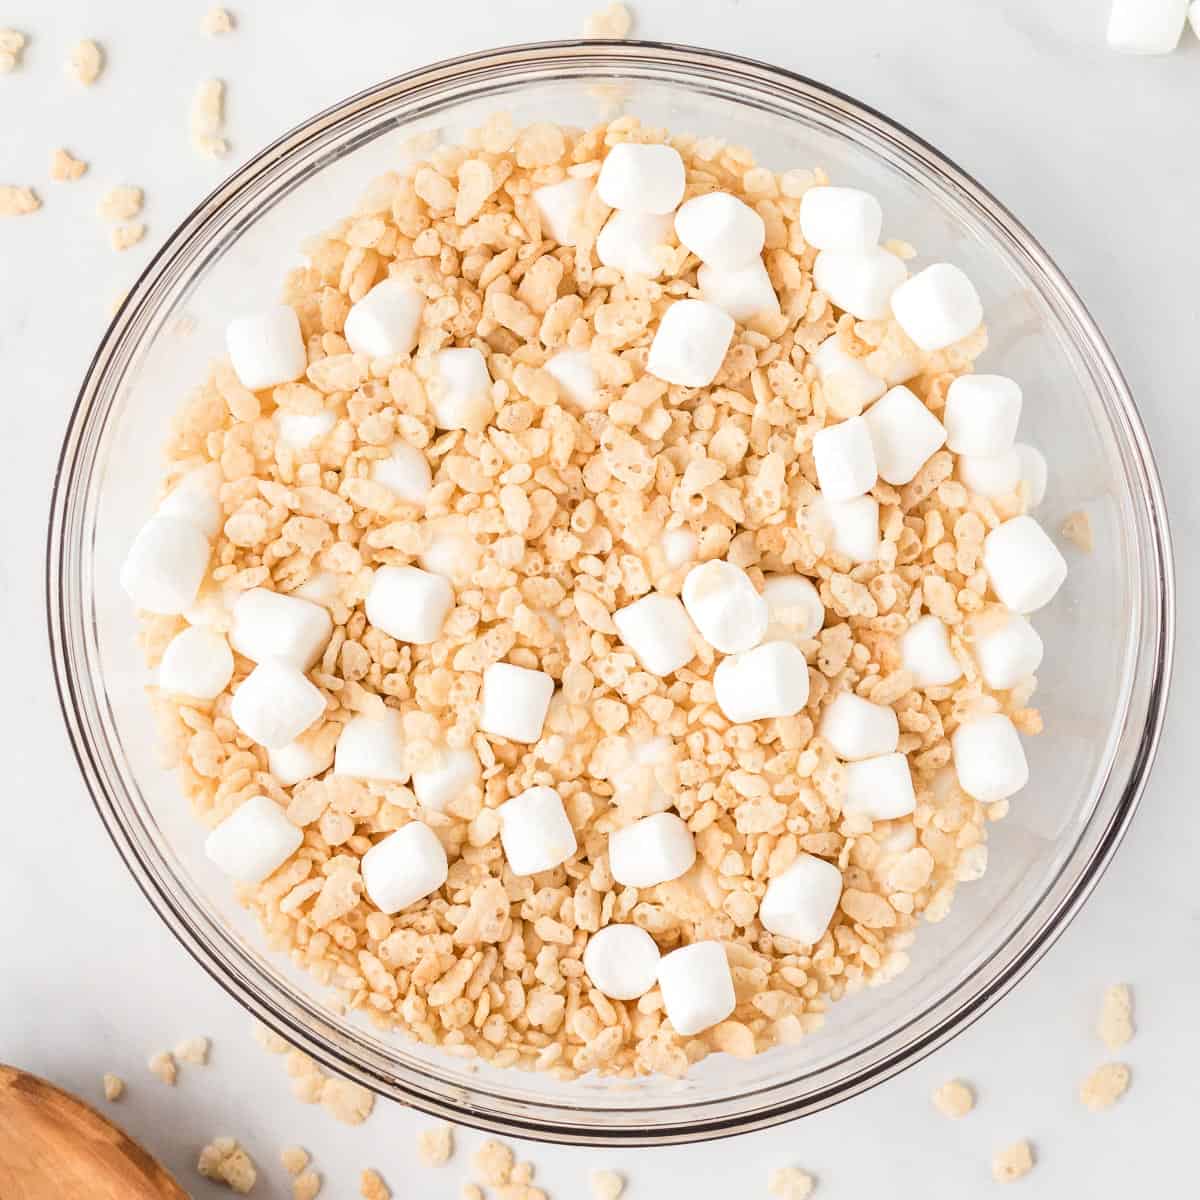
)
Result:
{"points": [[494, 1163], [120, 203], [17, 201], [64, 167], [1115, 1025], [1077, 529], [348, 1102], [193, 1050], [11, 44], [611, 22], [436, 1145], [162, 1067], [224, 1161], [1012, 1162], [1104, 1086], [606, 1185], [954, 1099], [294, 1159], [124, 236], [790, 1183], [218, 20], [114, 1087], [86, 62], [471, 1191], [268, 1039], [372, 1187], [306, 1186], [208, 117]]}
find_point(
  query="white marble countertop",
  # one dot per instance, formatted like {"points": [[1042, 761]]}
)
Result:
{"points": [[1094, 152]]}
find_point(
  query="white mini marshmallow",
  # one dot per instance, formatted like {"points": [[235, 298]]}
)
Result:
{"points": [[743, 293], [657, 629], [641, 178], [800, 903], [560, 206], [904, 433], [196, 662], [845, 459], [275, 704], [321, 587], [298, 431], [1034, 472], [1147, 26], [845, 377], [165, 565], [573, 372], [853, 527], [268, 624], [795, 608], [679, 546], [463, 397], [988, 758], [299, 760], [451, 551], [515, 702], [405, 867], [386, 321], [879, 788], [405, 473], [925, 653], [373, 748], [860, 281], [697, 987], [409, 604], [937, 307], [253, 841], [535, 831], [1009, 654], [990, 475], [769, 681], [453, 771], [690, 343], [855, 728], [194, 499], [266, 348], [622, 961], [720, 230], [840, 218], [654, 850], [627, 242], [981, 414], [725, 606], [1026, 568]]}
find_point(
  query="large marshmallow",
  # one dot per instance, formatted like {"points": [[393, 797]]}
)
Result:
{"points": [[451, 773], [253, 841], [1025, 567], [794, 607], [981, 414], [855, 728], [196, 662], [622, 961], [880, 788], [462, 396], [860, 281], [300, 760], [845, 459], [627, 242], [1147, 26], [560, 206], [405, 867], [690, 343], [373, 748], [697, 987], [657, 629], [800, 903], [165, 565], [904, 433], [769, 681], [275, 704], [386, 322], [450, 549], [1034, 472], [1009, 654], [267, 348], [298, 431], [725, 606], [405, 473], [515, 702], [654, 850], [988, 758], [937, 307], [925, 653], [990, 475], [535, 831], [572, 370], [268, 624], [845, 379], [195, 498], [743, 292], [840, 218], [409, 604], [720, 230], [641, 178]]}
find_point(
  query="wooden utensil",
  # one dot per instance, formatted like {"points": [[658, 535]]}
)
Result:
{"points": [[54, 1147]]}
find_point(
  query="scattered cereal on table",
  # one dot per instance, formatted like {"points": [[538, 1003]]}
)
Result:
{"points": [[1115, 1024], [954, 1099], [114, 1087], [121, 237], [17, 201], [224, 1161], [790, 1183], [1077, 529], [64, 167], [606, 1185], [193, 1050], [348, 1102], [86, 62], [436, 1145], [1104, 1086], [372, 1187], [12, 42], [611, 22], [218, 20], [522, 1174], [162, 1067], [294, 1159], [471, 1191], [493, 1162], [1012, 1162], [120, 203], [306, 1186], [208, 118]]}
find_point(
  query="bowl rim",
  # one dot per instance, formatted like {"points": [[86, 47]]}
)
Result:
{"points": [[966, 1003]]}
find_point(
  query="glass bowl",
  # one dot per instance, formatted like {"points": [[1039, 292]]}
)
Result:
{"points": [[1108, 633]]}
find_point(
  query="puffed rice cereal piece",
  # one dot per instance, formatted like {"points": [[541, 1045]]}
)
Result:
{"points": [[436, 1145], [372, 1187], [120, 203], [18, 201], [217, 20], [224, 1161], [12, 42], [306, 1186], [1115, 1023], [1011, 1163], [606, 1185], [614, 21], [114, 1087], [162, 1067], [193, 1050], [1104, 1086], [294, 1159], [64, 167], [86, 62], [790, 1183], [954, 1099]]}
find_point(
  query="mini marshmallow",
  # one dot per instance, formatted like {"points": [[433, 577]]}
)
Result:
{"points": [[800, 903], [622, 961], [1034, 472], [165, 565], [194, 499], [253, 841], [769, 681], [373, 748], [560, 206], [925, 653], [386, 322], [321, 587], [679, 546], [725, 606], [572, 371], [855, 728], [990, 475], [1025, 566], [879, 788], [697, 987], [405, 867], [405, 473], [657, 629], [453, 771], [845, 378], [904, 433], [300, 760], [840, 218], [937, 307], [535, 831], [743, 293], [627, 241], [690, 344], [515, 702], [196, 662], [450, 551], [981, 414], [267, 348], [794, 607], [654, 850], [720, 230], [1009, 654], [409, 604], [298, 431], [860, 281], [275, 704], [988, 758], [853, 527], [845, 459], [268, 624], [1147, 26], [463, 396], [641, 178]]}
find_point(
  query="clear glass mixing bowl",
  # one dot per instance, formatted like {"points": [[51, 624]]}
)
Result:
{"points": [[1108, 633]]}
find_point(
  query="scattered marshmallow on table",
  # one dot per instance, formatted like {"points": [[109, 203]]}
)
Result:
{"points": [[855, 728], [1034, 472], [990, 475], [269, 624], [195, 498], [267, 348], [1025, 567], [300, 760], [937, 307], [860, 281], [386, 322], [560, 206], [840, 218], [800, 903], [654, 850], [794, 607], [535, 831], [720, 230], [409, 604], [298, 431], [658, 630], [725, 606], [405, 473], [1148, 26], [743, 292], [879, 788], [253, 841], [196, 662], [904, 434], [845, 459], [405, 867], [165, 565], [275, 704], [641, 178], [622, 961], [697, 987], [690, 343], [925, 653], [373, 748], [1010, 653], [462, 397], [988, 758], [769, 681], [845, 378], [981, 414], [452, 772], [515, 702], [627, 242], [576, 378]]}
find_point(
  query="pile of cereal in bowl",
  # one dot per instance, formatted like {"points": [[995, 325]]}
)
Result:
{"points": [[590, 613]]}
